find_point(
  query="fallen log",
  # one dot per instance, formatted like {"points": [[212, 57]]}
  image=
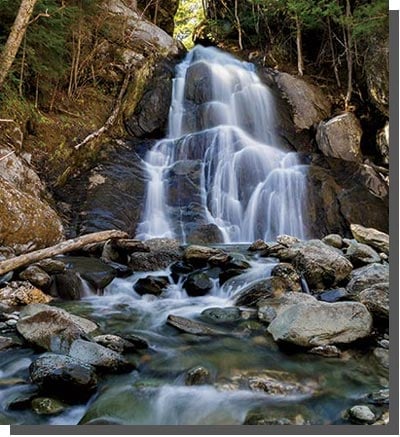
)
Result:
{"points": [[65, 246]]}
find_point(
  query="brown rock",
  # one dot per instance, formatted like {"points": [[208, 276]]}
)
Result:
{"points": [[22, 293]]}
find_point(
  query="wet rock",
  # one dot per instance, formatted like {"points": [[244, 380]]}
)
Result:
{"points": [[22, 293], [5, 279], [197, 284], [283, 253], [205, 234], [321, 265], [137, 342], [361, 254], [22, 400], [47, 406], [334, 240], [36, 276], [115, 343], [380, 397], [163, 252], [225, 275], [197, 376], [179, 269], [190, 326], [120, 270], [269, 308], [321, 324], [376, 299], [382, 356], [269, 419], [287, 240], [51, 266], [8, 343], [329, 351], [308, 104], [63, 376], [258, 245], [52, 328], [287, 272], [254, 293], [68, 285], [200, 255], [99, 356], [383, 420], [340, 137], [154, 285], [365, 277], [361, 414], [237, 261], [374, 238], [334, 295], [222, 315]]}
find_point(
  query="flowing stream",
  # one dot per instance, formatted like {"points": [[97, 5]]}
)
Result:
{"points": [[222, 162]]}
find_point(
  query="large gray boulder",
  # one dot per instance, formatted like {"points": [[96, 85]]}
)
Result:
{"points": [[163, 252], [340, 137], [322, 266], [51, 328], [373, 237], [360, 254], [310, 325], [367, 276]]}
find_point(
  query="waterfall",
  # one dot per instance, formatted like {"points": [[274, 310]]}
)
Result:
{"points": [[222, 162]]}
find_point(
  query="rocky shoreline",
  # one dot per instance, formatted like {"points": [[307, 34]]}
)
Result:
{"points": [[326, 297]]}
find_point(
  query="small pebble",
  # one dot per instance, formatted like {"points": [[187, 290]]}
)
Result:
{"points": [[11, 322], [384, 344]]}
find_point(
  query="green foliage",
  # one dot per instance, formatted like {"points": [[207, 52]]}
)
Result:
{"points": [[188, 17]]}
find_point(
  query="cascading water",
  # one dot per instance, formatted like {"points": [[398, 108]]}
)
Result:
{"points": [[222, 163]]}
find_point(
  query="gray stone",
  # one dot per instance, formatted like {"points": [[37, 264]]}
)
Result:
{"points": [[374, 238], [365, 277], [205, 234], [382, 141], [222, 315], [36, 276], [258, 245], [321, 323], [287, 240], [287, 272], [68, 285], [334, 240], [361, 414], [382, 356], [200, 255], [191, 327], [376, 299], [51, 266], [328, 350], [99, 356], [163, 252], [197, 284], [360, 254], [154, 285], [197, 376], [334, 295], [115, 343]]}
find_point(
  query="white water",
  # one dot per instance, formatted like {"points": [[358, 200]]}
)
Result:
{"points": [[222, 118]]}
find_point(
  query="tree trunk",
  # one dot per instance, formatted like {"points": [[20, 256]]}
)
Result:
{"points": [[238, 25], [66, 246], [300, 66], [15, 38], [349, 55]]}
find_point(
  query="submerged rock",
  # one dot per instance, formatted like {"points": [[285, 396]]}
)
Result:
{"points": [[334, 295], [322, 323], [222, 315], [63, 376]]}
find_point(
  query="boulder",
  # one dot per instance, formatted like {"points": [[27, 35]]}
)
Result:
{"points": [[340, 137], [376, 299], [68, 285], [100, 357], [27, 223], [162, 14], [287, 272], [382, 142], [320, 323], [374, 238], [36, 276], [251, 295], [52, 328], [258, 245], [360, 254], [116, 343], [200, 255], [361, 414], [365, 277], [22, 293], [287, 240], [197, 284], [334, 240], [154, 285], [205, 234], [51, 266], [191, 327], [321, 265], [308, 103], [63, 376], [163, 252], [221, 315], [334, 295]]}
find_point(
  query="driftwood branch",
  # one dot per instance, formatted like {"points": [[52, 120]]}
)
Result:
{"points": [[65, 246], [111, 119]]}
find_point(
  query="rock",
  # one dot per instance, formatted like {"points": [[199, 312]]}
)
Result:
{"points": [[28, 223], [36, 276], [382, 356], [258, 245], [64, 377], [197, 376], [154, 285], [287, 240], [269, 308], [334, 295], [99, 356], [321, 323], [128, 245], [380, 397], [365, 277], [205, 234], [8, 343], [237, 261], [287, 272], [22, 400], [360, 254], [115, 343], [163, 252], [200, 255], [5, 279], [47, 406], [179, 269], [321, 265], [222, 315], [376, 299], [340, 137], [382, 142], [68, 285], [163, 15], [197, 284], [191, 327], [137, 342], [52, 328], [374, 238], [22, 293], [329, 351], [334, 240], [308, 104], [361, 414], [225, 275], [270, 287], [51, 266]]}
